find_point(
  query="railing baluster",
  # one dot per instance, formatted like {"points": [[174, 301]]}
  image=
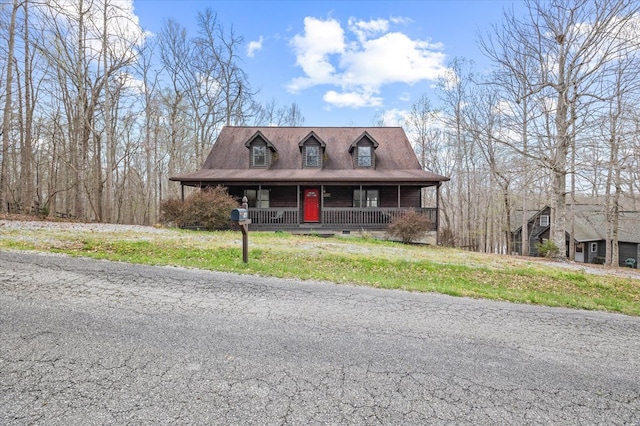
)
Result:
{"points": [[344, 217]]}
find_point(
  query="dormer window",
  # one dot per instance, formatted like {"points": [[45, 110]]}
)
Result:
{"points": [[312, 156], [312, 149], [363, 151], [364, 156], [259, 155], [262, 153]]}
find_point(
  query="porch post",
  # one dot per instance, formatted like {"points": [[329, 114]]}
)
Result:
{"points": [[321, 202], [398, 196], [298, 202], [182, 191]]}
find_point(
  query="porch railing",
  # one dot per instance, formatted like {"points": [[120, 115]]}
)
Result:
{"points": [[277, 218], [337, 218], [368, 218]]}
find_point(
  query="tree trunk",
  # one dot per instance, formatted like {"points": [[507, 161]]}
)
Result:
{"points": [[8, 112], [107, 202], [26, 154]]}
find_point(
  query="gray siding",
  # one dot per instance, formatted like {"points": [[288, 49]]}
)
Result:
{"points": [[627, 250]]}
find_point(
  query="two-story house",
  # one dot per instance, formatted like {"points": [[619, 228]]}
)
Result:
{"points": [[331, 178]]}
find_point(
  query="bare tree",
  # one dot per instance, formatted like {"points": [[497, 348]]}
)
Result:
{"points": [[26, 152], [206, 92], [420, 124], [294, 116], [454, 90], [175, 54], [424, 129], [80, 137], [570, 43], [484, 121], [8, 110], [270, 114], [618, 132], [517, 111], [150, 128]]}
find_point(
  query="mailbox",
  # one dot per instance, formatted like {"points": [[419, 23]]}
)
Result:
{"points": [[239, 215], [241, 218]]}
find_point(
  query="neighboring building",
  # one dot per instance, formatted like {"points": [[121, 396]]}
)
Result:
{"points": [[331, 178], [589, 235]]}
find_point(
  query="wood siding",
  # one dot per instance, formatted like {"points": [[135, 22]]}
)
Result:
{"points": [[338, 196]]}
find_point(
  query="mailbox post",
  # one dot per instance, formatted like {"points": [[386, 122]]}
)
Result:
{"points": [[241, 218]]}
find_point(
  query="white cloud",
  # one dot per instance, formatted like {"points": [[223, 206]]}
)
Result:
{"points": [[365, 29], [359, 62], [394, 117], [404, 96], [401, 20], [320, 39], [254, 46], [351, 99], [392, 58]]}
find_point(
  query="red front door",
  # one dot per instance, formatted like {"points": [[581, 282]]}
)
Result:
{"points": [[311, 205]]}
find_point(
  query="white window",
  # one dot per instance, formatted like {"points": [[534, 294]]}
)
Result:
{"points": [[312, 156], [259, 155], [257, 198], [544, 220], [366, 198], [364, 156], [263, 199], [594, 247]]}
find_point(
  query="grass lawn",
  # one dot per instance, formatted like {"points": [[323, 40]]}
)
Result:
{"points": [[352, 260]]}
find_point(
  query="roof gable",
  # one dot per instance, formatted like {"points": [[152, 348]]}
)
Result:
{"points": [[362, 137], [312, 135], [258, 135]]}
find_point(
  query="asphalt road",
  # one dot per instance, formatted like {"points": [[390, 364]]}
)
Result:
{"points": [[91, 342]]}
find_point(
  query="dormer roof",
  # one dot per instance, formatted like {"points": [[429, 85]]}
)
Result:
{"points": [[256, 135], [364, 135], [313, 135]]}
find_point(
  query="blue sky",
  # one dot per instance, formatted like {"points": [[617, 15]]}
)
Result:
{"points": [[342, 62]]}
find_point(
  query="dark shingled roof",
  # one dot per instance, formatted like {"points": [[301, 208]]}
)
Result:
{"points": [[592, 226], [396, 161], [591, 223]]}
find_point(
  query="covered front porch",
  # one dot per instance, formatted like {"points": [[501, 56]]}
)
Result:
{"points": [[334, 218], [335, 207]]}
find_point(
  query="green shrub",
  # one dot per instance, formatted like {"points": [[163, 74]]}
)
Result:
{"points": [[209, 208], [547, 249], [409, 226]]}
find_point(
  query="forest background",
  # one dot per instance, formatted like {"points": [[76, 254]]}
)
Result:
{"points": [[94, 119]]}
